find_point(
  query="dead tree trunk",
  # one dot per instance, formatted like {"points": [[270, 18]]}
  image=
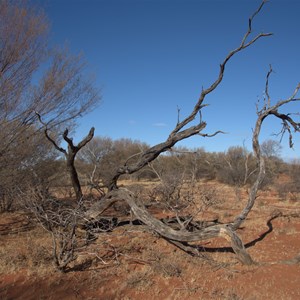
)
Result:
{"points": [[70, 155], [139, 210]]}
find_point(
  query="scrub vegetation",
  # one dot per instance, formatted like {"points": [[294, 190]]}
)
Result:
{"points": [[127, 218]]}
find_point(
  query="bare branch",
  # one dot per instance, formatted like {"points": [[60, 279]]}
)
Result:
{"points": [[268, 100], [60, 149], [179, 133], [262, 115], [87, 138], [210, 89], [213, 134]]}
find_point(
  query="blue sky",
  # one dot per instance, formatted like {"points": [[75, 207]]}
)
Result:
{"points": [[151, 56]]}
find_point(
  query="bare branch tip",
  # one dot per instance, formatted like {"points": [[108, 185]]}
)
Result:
{"points": [[66, 132]]}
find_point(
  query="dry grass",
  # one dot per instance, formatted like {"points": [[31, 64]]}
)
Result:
{"points": [[140, 280], [29, 250]]}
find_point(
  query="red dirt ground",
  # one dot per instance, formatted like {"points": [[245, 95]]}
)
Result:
{"points": [[133, 263]]}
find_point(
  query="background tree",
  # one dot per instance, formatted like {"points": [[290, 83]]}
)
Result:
{"points": [[200, 164], [271, 148], [236, 167], [35, 77], [33, 164], [289, 187], [102, 156], [93, 162]]}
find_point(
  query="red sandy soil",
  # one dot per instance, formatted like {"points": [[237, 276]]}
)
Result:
{"points": [[133, 263]]}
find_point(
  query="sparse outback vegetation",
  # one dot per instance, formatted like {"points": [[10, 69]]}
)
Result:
{"points": [[122, 219]]}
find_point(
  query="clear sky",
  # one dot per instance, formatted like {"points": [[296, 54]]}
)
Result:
{"points": [[151, 56]]}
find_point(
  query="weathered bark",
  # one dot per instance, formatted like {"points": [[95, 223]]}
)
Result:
{"points": [[139, 210], [149, 155], [236, 244], [74, 176], [70, 155], [101, 206]]}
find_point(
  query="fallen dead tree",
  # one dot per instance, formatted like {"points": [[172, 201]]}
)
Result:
{"points": [[184, 130], [227, 231]]}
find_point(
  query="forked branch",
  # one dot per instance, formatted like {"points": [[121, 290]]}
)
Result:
{"points": [[70, 154]]}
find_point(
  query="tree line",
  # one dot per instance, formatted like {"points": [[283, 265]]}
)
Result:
{"points": [[44, 166]]}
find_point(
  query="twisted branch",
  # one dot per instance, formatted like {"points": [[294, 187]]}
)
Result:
{"points": [[179, 133]]}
